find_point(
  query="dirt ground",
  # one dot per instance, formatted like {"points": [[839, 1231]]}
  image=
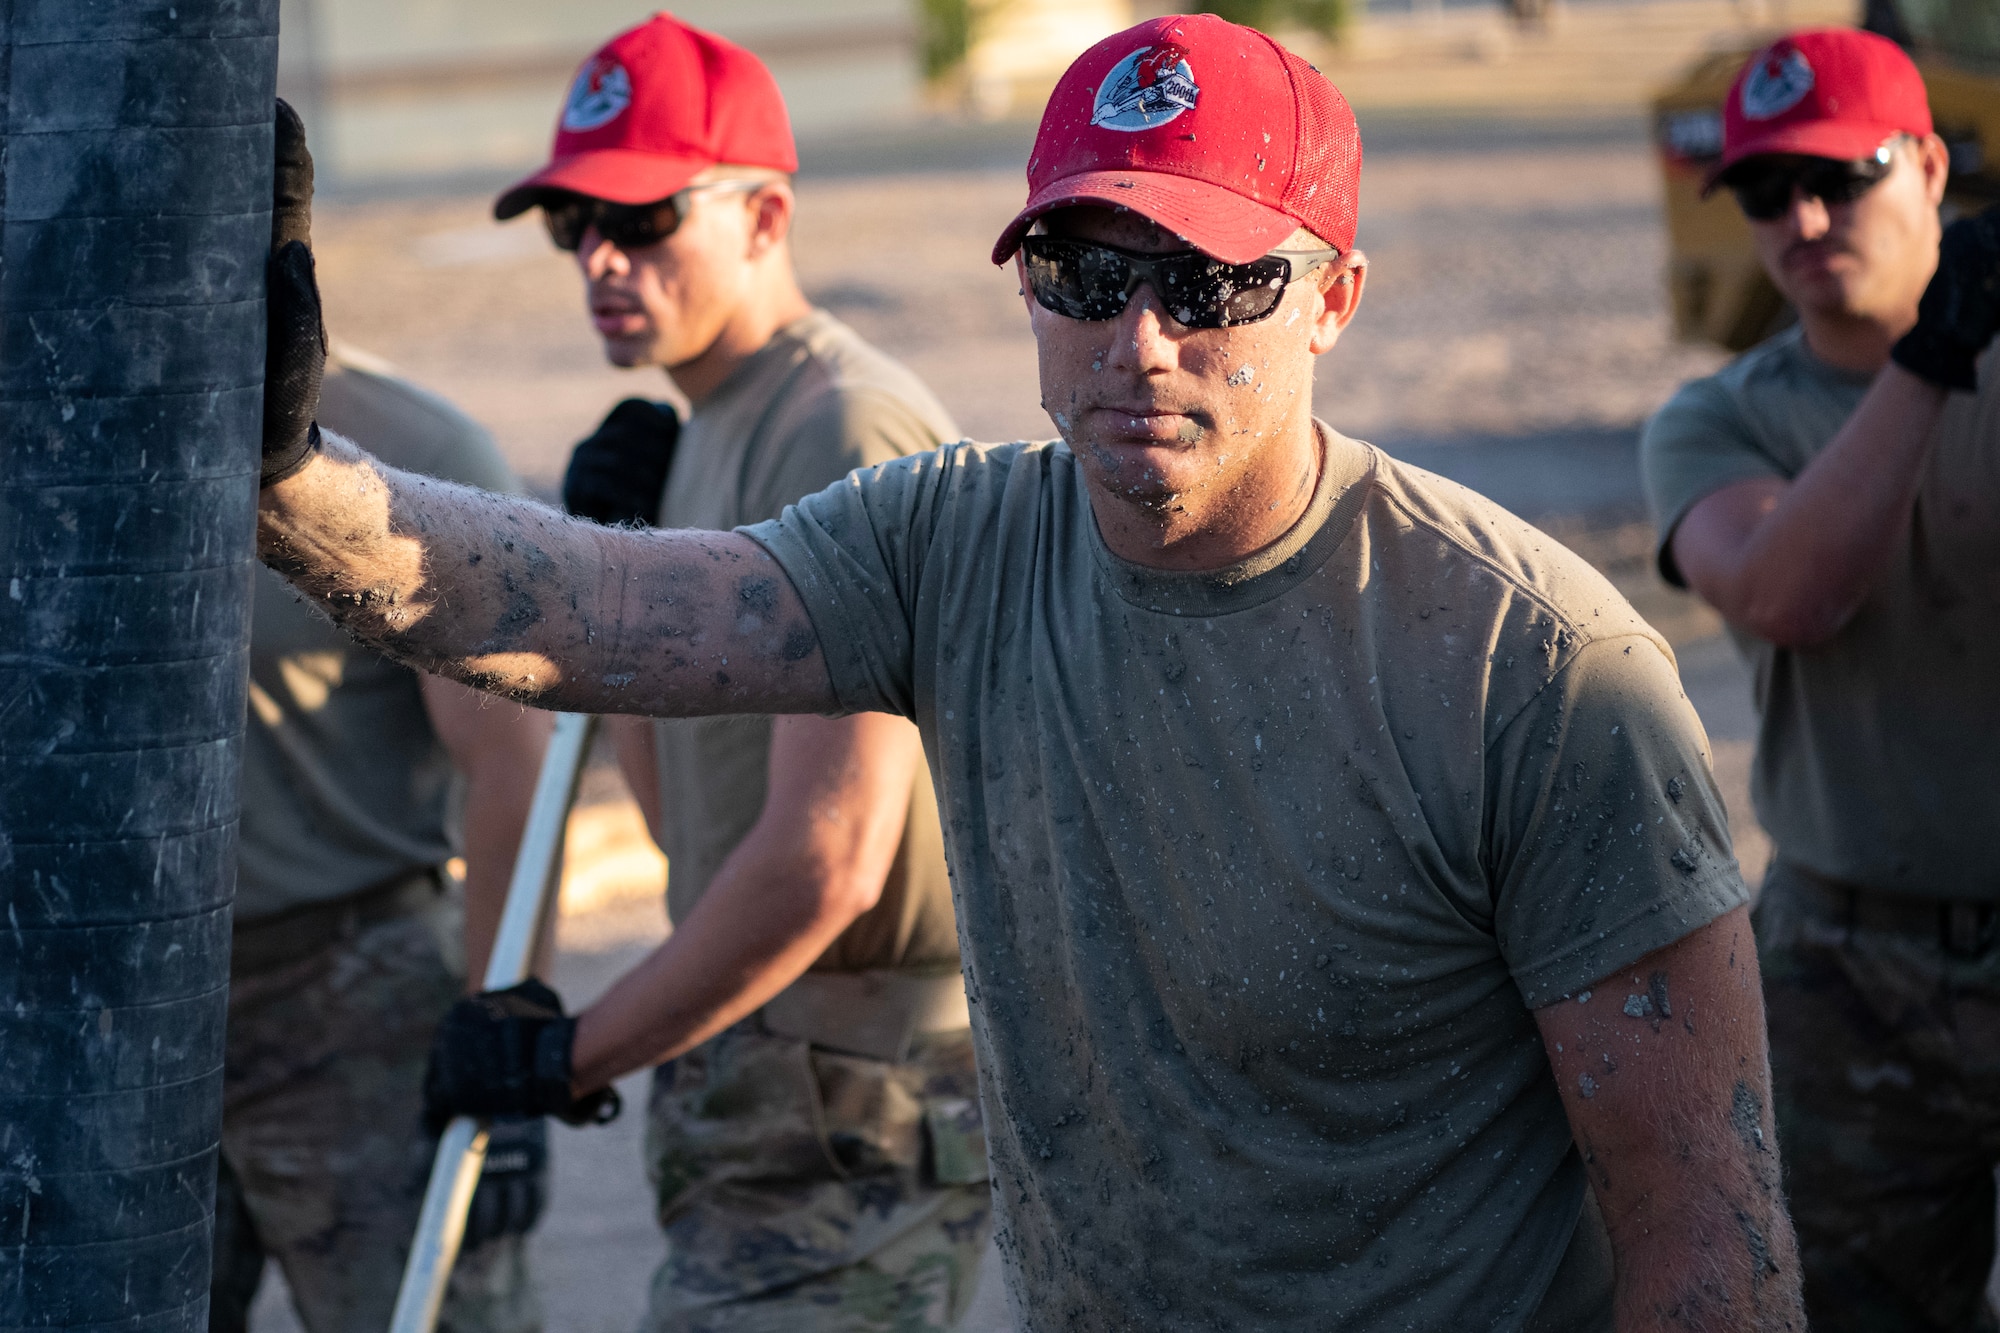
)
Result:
{"points": [[1514, 335]]}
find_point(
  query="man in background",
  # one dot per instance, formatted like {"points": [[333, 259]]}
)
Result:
{"points": [[819, 1165], [361, 780], [1835, 494]]}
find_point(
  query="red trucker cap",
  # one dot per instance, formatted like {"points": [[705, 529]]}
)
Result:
{"points": [[1826, 92], [1212, 130], [653, 108]]}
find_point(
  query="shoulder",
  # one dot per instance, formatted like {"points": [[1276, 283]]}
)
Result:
{"points": [[849, 392], [1536, 602], [408, 426], [1726, 407]]}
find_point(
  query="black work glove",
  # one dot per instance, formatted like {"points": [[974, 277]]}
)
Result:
{"points": [[295, 347], [618, 474], [513, 1185], [1960, 310], [507, 1052]]}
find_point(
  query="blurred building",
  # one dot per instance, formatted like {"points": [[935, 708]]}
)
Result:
{"points": [[468, 89]]}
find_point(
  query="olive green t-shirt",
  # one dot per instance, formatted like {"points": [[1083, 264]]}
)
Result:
{"points": [[1877, 762], [812, 405], [345, 785], [1262, 871]]}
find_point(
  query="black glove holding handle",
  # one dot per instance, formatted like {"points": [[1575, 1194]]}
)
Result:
{"points": [[618, 474], [1960, 310], [507, 1052], [295, 349]]}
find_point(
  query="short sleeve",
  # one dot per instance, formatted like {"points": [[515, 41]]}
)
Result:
{"points": [[854, 551], [844, 430], [1607, 838], [1694, 446]]}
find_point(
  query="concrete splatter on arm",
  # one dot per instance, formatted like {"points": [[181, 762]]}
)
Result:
{"points": [[513, 598], [1665, 1074]]}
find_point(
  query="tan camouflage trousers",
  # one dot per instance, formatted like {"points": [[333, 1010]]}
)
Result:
{"points": [[324, 1155], [803, 1189], [1885, 1053]]}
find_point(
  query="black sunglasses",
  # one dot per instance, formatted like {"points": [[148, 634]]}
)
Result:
{"points": [[1086, 280], [1764, 186], [627, 226]]}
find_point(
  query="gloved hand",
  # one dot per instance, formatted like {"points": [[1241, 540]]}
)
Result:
{"points": [[1960, 310], [507, 1052], [295, 350], [513, 1185], [618, 474]]}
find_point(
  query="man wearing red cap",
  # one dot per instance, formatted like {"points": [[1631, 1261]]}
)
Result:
{"points": [[1835, 493], [1350, 925], [818, 1164]]}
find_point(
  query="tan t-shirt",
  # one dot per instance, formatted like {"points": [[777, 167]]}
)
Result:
{"points": [[812, 405], [1878, 751], [1261, 873], [345, 785]]}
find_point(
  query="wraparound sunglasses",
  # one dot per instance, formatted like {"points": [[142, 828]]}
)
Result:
{"points": [[1088, 280], [1763, 186], [627, 226]]}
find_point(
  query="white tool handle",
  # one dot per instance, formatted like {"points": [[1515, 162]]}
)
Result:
{"points": [[462, 1150]]}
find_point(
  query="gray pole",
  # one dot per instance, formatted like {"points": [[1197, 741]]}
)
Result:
{"points": [[135, 180]]}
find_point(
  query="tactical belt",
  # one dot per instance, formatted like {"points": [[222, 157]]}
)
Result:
{"points": [[1963, 927], [274, 941], [877, 1014]]}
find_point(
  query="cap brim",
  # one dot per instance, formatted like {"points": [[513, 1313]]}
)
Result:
{"points": [[621, 175], [1215, 221], [1843, 141]]}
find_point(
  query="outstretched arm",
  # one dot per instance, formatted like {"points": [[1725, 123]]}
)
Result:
{"points": [[513, 598], [1666, 1077]]}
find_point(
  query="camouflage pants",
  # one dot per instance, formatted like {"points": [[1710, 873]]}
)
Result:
{"points": [[1885, 1053], [803, 1189], [324, 1155]]}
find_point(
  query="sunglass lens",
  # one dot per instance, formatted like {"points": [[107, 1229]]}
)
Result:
{"points": [[1074, 279], [1766, 195], [1219, 296], [566, 221]]}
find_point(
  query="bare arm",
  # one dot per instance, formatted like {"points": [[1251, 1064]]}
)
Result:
{"points": [[513, 598], [1791, 561], [1666, 1077], [498, 748], [632, 741], [816, 859]]}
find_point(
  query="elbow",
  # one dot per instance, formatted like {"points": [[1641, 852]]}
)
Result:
{"points": [[1791, 625], [847, 893]]}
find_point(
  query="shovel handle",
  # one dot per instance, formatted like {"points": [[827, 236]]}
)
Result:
{"points": [[461, 1151]]}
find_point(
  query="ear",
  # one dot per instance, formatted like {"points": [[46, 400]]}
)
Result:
{"points": [[1935, 159], [1340, 285], [771, 209]]}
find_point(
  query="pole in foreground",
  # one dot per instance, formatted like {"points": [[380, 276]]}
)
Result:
{"points": [[462, 1148], [135, 182]]}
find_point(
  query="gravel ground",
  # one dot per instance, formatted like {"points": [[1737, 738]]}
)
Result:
{"points": [[1514, 335]]}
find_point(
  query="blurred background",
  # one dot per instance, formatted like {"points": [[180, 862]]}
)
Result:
{"points": [[1543, 275]]}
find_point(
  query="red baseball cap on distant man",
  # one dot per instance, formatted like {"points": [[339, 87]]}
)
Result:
{"points": [[1827, 92], [1211, 130], [655, 107]]}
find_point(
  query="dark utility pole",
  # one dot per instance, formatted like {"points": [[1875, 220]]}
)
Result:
{"points": [[135, 180]]}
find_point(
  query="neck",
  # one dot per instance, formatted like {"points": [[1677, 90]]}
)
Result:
{"points": [[775, 301], [1222, 524], [1855, 342]]}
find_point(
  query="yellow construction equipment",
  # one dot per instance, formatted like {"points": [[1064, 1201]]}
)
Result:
{"points": [[1719, 291]]}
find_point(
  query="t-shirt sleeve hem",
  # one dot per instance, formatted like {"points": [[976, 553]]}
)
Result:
{"points": [[847, 676], [1581, 964]]}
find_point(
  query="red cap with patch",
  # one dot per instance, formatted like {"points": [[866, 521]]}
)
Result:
{"points": [[1212, 130], [1829, 92], [656, 106]]}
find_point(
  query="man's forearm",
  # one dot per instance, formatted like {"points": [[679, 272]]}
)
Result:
{"points": [[515, 599], [1807, 561], [1664, 1072]]}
